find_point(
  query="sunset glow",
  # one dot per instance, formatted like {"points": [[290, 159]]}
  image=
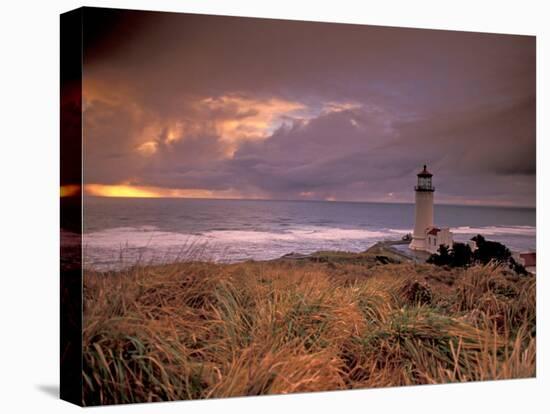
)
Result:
{"points": [[134, 191]]}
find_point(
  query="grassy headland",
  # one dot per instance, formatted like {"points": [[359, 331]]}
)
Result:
{"points": [[327, 322]]}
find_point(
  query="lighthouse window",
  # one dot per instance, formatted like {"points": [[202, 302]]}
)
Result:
{"points": [[425, 182]]}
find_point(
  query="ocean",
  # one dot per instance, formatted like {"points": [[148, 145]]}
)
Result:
{"points": [[123, 231]]}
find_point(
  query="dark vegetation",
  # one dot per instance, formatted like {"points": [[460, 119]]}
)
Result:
{"points": [[487, 251]]}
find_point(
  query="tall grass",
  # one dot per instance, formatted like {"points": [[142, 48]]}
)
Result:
{"points": [[200, 330]]}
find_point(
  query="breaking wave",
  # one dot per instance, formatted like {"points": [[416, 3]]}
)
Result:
{"points": [[497, 230], [121, 246], [148, 243]]}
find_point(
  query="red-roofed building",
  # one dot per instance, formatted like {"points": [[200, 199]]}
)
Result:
{"points": [[433, 231], [436, 236]]}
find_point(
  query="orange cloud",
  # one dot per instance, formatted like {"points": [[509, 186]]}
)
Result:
{"points": [[249, 118], [233, 118], [148, 148], [340, 106]]}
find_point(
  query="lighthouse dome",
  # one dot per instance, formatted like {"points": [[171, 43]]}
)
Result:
{"points": [[425, 172]]}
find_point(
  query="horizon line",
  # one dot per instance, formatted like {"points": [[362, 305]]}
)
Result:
{"points": [[314, 201]]}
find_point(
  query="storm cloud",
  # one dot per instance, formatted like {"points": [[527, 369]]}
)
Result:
{"points": [[259, 108]]}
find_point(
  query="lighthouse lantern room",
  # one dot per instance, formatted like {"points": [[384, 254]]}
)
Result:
{"points": [[424, 181]]}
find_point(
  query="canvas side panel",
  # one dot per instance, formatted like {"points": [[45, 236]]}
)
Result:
{"points": [[71, 206]]}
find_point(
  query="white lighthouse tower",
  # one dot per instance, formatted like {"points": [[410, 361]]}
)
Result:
{"points": [[424, 210]]}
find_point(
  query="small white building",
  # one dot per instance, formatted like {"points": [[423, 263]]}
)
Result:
{"points": [[436, 237], [426, 236]]}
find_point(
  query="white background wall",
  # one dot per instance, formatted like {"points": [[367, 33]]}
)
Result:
{"points": [[29, 205]]}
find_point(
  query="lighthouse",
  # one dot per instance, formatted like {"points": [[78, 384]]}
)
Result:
{"points": [[424, 209]]}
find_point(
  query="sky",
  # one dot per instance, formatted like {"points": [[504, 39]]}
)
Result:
{"points": [[182, 105]]}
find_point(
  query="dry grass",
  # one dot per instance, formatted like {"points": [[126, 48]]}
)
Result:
{"points": [[200, 330]]}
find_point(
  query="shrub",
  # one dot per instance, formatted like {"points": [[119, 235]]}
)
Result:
{"points": [[490, 250], [487, 251], [416, 292], [442, 257], [459, 256]]}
